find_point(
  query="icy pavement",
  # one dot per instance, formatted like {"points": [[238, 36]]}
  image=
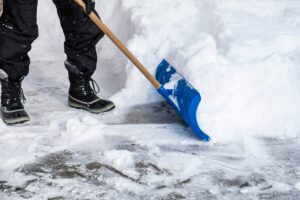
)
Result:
{"points": [[243, 56], [83, 158], [140, 152]]}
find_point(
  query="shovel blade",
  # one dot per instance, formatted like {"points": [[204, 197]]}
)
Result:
{"points": [[181, 95]]}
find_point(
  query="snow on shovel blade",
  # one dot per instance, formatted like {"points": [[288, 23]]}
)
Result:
{"points": [[181, 95]]}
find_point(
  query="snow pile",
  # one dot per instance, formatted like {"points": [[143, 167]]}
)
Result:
{"points": [[242, 56]]}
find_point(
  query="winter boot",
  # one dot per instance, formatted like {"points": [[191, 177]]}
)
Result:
{"points": [[82, 92], [12, 109]]}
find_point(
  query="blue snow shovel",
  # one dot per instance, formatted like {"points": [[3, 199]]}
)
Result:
{"points": [[181, 95]]}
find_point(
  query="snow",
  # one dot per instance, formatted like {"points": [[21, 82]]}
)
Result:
{"points": [[243, 66], [243, 57], [297, 186]]}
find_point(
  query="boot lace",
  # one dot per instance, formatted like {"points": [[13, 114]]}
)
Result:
{"points": [[95, 87], [89, 85], [13, 92], [17, 92]]}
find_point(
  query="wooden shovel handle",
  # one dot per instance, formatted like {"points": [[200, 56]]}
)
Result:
{"points": [[121, 46]]}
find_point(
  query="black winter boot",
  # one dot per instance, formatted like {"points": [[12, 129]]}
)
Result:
{"points": [[82, 92], [12, 109]]}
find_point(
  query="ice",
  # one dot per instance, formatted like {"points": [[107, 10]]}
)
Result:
{"points": [[242, 56]]}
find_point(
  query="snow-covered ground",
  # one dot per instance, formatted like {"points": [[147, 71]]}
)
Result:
{"points": [[243, 56]]}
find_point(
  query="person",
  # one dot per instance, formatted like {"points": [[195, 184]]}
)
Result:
{"points": [[18, 30]]}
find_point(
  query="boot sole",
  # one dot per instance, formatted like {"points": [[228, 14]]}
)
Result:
{"points": [[16, 121], [95, 111]]}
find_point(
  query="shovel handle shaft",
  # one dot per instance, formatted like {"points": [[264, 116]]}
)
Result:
{"points": [[121, 46]]}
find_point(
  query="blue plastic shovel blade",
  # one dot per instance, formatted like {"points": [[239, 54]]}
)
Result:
{"points": [[181, 95]]}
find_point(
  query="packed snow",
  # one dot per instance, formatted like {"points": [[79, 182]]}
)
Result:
{"points": [[242, 56]]}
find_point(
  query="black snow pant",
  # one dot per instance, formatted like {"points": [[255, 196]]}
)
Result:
{"points": [[18, 29]]}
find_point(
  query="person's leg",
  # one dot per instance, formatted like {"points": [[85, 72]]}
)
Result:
{"points": [[81, 36], [18, 30]]}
